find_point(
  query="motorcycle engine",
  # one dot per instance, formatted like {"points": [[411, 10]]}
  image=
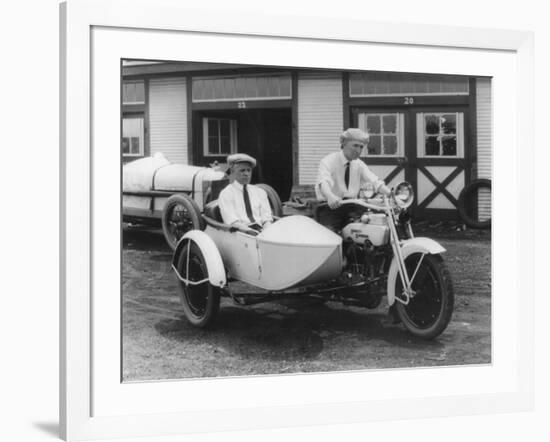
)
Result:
{"points": [[371, 227]]}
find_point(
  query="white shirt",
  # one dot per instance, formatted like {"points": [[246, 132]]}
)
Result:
{"points": [[332, 169], [232, 208]]}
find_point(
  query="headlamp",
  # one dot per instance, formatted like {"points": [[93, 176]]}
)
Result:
{"points": [[403, 194]]}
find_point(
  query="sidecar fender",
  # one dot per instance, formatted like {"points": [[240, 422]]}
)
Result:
{"points": [[408, 247], [211, 254]]}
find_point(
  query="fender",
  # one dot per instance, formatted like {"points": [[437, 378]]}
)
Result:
{"points": [[210, 252], [408, 247]]}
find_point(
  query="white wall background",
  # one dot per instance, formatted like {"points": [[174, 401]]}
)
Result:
{"points": [[168, 118], [29, 226]]}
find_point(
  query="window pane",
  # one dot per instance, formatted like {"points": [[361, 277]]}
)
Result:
{"points": [[390, 124], [373, 124], [229, 88], [213, 145], [250, 87], [284, 85], [140, 92], [240, 87], [434, 87], [262, 87], [135, 146], [369, 83], [420, 86], [218, 89], [224, 128], [198, 87], [394, 87], [355, 84], [133, 92], [128, 95], [272, 87], [432, 146], [208, 90], [448, 123], [374, 145], [390, 145], [449, 146], [212, 127], [132, 136], [432, 124], [225, 145], [220, 136], [132, 127]]}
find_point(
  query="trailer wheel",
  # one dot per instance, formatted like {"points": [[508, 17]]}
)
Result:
{"points": [[274, 200], [180, 215], [464, 202]]}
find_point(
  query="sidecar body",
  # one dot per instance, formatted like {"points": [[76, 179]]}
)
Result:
{"points": [[293, 251]]}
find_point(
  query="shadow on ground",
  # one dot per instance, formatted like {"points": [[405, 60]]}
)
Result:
{"points": [[279, 332], [144, 238]]}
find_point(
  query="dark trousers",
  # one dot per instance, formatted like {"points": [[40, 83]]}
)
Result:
{"points": [[336, 219]]}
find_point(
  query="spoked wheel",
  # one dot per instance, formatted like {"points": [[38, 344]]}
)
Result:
{"points": [[180, 215], [430, 309], [200, 302]]}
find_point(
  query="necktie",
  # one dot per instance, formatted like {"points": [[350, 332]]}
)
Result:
{"points": [[247, 204], [346, 175]]}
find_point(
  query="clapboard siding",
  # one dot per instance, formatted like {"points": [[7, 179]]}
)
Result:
{"points": [[168, 118], [320, 120], [484, 142]]}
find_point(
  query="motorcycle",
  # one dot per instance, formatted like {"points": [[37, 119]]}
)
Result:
{"points": [[375, 254], [383, 257]]}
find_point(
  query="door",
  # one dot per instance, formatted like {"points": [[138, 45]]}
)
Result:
{"points": [[440, 156], [426, 146], [265, 134]]}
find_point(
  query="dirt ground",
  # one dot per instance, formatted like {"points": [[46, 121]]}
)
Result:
{"points": [[294, 336]]}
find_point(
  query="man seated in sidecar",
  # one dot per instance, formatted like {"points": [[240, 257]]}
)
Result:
{"points": [[243, 205], [341, 175]]}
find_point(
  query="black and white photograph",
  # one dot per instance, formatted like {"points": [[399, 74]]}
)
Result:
{"points": [[391, 282], [285, 220]]}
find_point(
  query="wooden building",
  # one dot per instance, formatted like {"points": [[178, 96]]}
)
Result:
{"points": [[431, 130]]}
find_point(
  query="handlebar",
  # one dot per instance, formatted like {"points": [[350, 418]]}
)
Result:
{"points": [[371, 203], [382, 202]]}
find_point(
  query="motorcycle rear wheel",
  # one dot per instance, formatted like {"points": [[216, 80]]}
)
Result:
{"points": [[430, 310]]}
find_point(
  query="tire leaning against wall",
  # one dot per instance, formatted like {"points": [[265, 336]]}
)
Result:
{"points": [[464, 199]]}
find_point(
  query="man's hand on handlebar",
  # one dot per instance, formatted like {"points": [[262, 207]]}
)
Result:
{"points": [[385, 190], [334, 202]]}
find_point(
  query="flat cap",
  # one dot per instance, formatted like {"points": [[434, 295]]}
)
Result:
{"points": [[354, 134], [240, 158]]}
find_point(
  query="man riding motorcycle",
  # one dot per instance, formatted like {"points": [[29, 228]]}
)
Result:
{"points": [[342, 175]]}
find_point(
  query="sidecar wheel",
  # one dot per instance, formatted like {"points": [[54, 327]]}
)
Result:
{"points": [[200, 302], [429, 311]]}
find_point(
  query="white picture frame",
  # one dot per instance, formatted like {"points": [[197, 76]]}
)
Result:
{"points": [[92, 404]]}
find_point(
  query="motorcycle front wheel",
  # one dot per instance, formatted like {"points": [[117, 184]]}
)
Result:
{"points": [[429, 311]]}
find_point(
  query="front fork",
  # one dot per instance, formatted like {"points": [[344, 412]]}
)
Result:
{"points": [[406, 282]]}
